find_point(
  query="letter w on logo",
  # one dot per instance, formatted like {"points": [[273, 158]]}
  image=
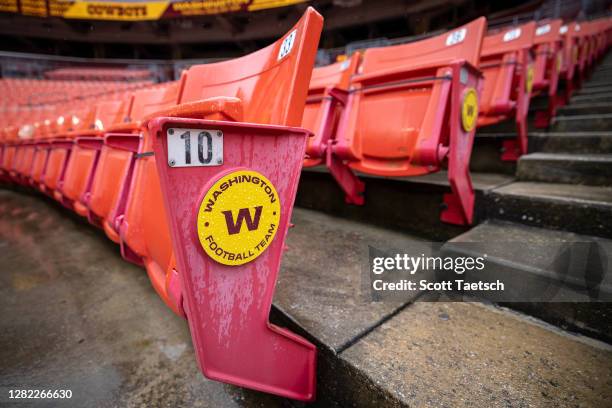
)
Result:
{"points": [[252, 223]]}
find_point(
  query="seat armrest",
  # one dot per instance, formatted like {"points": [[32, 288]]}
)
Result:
{"points": [[224, 108]]}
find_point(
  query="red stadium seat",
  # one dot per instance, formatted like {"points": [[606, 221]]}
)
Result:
{"points": [[10, 148], [112, 179], [327, 95], [403, 115], [506, 63], [60, 148], [227, 309], [569, 66], [548, 47], [81, 166]]}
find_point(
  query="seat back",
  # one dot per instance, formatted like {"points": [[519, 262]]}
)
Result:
{"points": [[569, 34], [337, 75], [547, 42], [548, 32], [82, 119], [502, 67], [399, 100], [83, 158], [322, 112], [147, 101], [271, 85], [579, 36], [112, 180], [109, 113], [510, 39]]}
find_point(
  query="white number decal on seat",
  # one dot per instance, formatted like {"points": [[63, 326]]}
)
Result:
{"points": [[512, 35], [456, 37], [287, 45], [543, 29]]}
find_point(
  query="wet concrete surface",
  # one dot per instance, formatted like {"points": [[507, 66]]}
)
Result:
{"points": [[466, 354], [548, 205], [321, 284], [74, 315]]}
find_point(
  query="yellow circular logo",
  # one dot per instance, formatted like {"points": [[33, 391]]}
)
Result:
{"points": [[529, 79], [469, 110], [238, 217]]}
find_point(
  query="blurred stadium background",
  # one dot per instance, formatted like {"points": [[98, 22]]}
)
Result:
{"points": [[164, 37]]}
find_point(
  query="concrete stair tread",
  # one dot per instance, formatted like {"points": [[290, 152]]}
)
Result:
{"points": [[582, 108], [595, 84], [591, 97], [593, 169], [577, 208], [583, 104], [591, 195], [496, 238], [441, 354], [604, 158], [571, 123], [571, 142], [583, 117], [594, 90], [577, 133], [539, 263], [320, 289]]}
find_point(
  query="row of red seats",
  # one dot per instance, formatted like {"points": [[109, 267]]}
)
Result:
{"points": [[99, 74], [412, 109], [104, 161], [405, 110], [35, 92]]}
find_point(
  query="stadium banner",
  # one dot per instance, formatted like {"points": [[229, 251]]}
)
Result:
{"points": [[135, 10]]}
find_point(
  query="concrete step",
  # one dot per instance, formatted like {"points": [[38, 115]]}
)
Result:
{"points": [[575, 208], [594, 84], [601, 76], [467, 354], [595, 90], [585, 109], [597, 82], [408, 203], [604, 97], [560, 277], [581, 123], [570, 142], [589, 169]]}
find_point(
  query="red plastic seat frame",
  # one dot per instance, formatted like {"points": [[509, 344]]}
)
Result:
{"points": [[267, 87], [427, 82], [113, 178], [548, 50], [568, 75], [327, 97], [506, 63], [82, 162]]}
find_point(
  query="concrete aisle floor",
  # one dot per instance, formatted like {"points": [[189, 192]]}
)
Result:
{"points": [[74, 315]]}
